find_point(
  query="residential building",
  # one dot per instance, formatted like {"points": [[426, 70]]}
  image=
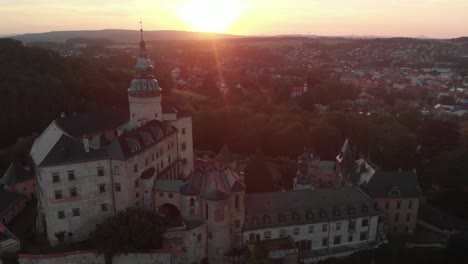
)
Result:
{"points": [[11, 204], [19, 178]]}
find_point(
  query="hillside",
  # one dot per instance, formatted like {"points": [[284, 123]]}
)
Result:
{"points": [[38, 84], [117, 35]]}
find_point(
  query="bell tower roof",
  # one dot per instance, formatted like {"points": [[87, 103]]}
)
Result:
{"points": [[144, 84]]}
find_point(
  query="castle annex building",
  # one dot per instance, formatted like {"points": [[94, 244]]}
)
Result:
{"points": [[90, 166]]}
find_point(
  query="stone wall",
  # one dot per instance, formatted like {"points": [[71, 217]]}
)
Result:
{"points": [[90, 257]]}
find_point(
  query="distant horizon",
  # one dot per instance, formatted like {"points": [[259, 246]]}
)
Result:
{"points": [[240, 35], [435, 19]]}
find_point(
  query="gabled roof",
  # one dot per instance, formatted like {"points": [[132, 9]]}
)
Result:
{"points": [[15, 174], [68, 150], [306, 206], [93, 122], [404, 185], [8, 200], [224, 156]]}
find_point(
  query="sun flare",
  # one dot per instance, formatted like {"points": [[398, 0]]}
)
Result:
{"points": [[209, 15]]}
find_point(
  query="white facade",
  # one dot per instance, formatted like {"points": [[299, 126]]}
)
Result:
{"points": [[88, 169]]}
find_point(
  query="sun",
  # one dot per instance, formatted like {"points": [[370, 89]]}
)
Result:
{"points": [[209, 15]]}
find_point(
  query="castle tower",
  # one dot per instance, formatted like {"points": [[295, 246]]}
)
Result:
{"points": [[144, 94]]}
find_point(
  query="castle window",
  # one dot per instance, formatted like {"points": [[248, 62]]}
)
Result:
{"points": [[192, 202], [267, 234], [395, 191], [397, 217], [73, 192], [206, 211], [137, 183], [137, 194], [311, 229], [58, 195], [55, 177], [398, 205], [408, 217], [71, 175], [236, 202], [76, 211], [61, 214], [102, 188], [100, 171], [324, 228], [282, 233], [410, 204], [296, 231], [116, 170], [199, 237], [183, 131], [104, 207], [237, 223], [338, 226], [324, 241], [387, 205], [363, 236], [337, 240], [251, 237], [184, 146], [350, 238], [364, 222], [210, 235], [352, 224], [118, 187]]}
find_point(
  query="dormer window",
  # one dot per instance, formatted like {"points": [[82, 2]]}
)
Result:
{"points": [[364, 209], [149, 140], [351, 210], [395, 192], [296, 216], [266, 219], [255, 220], [281, 218], [336, 212], [323, 213]]}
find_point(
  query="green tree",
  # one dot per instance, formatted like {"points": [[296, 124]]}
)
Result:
{"points": [[129, 230], [257, 177], [257, 255]]}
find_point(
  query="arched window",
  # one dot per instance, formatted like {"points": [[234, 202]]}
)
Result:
{"points": [[206, 211]]}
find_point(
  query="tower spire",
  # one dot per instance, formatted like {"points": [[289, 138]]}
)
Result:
{"points": [[142, 42]]}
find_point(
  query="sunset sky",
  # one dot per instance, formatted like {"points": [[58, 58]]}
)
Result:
{"points": [[433, 18]]}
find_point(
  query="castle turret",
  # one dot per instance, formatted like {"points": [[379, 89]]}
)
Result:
{"points": [[144, 94]]}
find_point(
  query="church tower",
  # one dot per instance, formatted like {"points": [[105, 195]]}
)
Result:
{"points": [[144, 94]]}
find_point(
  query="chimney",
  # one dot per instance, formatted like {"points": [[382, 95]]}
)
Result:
{"points": [[62, 114], [86, 143]]}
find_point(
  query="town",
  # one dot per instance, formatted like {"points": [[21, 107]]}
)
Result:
{"points": [[270, 150]]}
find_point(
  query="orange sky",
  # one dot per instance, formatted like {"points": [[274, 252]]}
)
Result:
{"points": [[433, 18]]}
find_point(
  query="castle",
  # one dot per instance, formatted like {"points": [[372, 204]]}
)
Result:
{"points": [[90, 166]]}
